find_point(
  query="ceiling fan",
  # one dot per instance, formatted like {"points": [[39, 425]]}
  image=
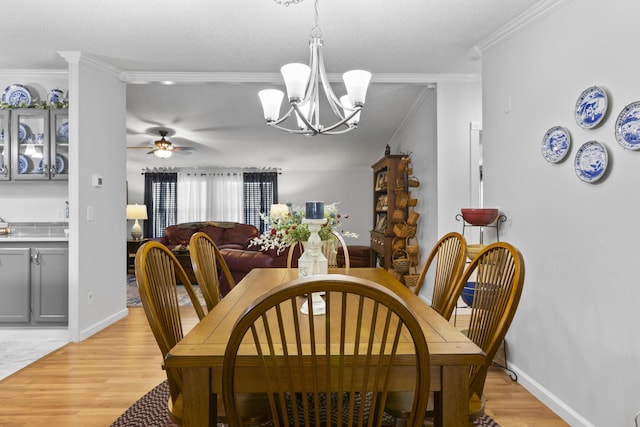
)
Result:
{"points": [[164, 149]]}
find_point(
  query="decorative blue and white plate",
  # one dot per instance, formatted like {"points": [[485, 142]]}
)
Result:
{"points": [[591, 107], [555, 144], [23, 132], [591, 161], [23, 164], [59, 163], [16, 94], [628, 126], [63, 131], [40, 166], [1, 135]]}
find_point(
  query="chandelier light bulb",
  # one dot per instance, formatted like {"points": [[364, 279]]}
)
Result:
{"points": [[357, 83], [296, 78], [271, 100]]}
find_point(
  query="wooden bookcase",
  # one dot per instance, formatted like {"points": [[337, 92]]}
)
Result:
{"points": [[385, 181]]}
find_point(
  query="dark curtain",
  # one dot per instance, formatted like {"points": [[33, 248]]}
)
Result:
{"points": [[260, 192], [161, 199]]}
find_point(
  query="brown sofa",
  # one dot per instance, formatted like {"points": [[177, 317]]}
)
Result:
{"points": [[233, 239]]}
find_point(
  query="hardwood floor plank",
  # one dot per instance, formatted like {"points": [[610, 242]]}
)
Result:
{"points": [[93, 382]]}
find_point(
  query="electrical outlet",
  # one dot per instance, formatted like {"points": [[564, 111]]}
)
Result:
{"points": [[90, 298]]}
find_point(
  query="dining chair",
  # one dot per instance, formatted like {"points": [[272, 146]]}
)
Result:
{"points": [[333, 369], [329, 250], [203, 252], [156, 270], [498, 272], [449, 254]]}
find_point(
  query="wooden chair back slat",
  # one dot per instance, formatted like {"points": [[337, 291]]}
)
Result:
{"points": [[204, 260], [449, 254]]}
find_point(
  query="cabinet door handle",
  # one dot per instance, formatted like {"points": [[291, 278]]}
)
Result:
{"points": [[36, 258], [45, 170], [52, 171], [4, 171]]}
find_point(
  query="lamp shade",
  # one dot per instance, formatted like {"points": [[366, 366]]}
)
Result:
{"points": [[296, 77], [357, 83], [136, 212], [278, 210], [271, 100], [347, 106]]}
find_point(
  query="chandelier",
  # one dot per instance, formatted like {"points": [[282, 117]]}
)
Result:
{"points": [[302, 82]]}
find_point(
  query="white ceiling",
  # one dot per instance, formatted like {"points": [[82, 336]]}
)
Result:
{"points": [[223, 52]]}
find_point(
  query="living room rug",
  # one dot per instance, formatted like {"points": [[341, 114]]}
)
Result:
{"points": [[151, 411], [133, 296]]}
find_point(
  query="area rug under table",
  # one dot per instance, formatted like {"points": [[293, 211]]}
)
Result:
{"points": [[151, 411], [133, 296]]}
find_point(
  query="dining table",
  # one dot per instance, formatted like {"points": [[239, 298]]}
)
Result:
{"points": [[200, 353]]}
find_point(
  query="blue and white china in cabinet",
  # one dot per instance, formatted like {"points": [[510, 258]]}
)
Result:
{"points": [[17, 95]]}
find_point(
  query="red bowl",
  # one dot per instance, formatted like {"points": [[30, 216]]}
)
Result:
{"points": [[480, 216]]}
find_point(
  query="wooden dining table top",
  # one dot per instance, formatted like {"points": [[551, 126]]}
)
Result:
{"points": [[205, 344]]}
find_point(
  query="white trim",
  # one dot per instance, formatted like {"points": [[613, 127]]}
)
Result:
{"points": [[552, 401], [35, 74], [528, 17], [102, 324], [92, 61], [145, 77]]}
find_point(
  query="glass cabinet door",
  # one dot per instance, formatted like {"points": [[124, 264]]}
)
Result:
{"points": [[59, 137], [30, 144], [5, 145]]}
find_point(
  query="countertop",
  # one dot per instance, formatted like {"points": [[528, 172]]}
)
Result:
{"points": [[35, 232], [7, 238]]}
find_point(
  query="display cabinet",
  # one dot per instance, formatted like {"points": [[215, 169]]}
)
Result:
{"points": [[5, 146], [39, 144], [386, 178]]}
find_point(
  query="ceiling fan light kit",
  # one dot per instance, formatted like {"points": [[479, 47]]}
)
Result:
{"points": [[302, 83], [164, 149]]}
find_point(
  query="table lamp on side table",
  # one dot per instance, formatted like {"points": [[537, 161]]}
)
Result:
{"points": [[136, 212]]}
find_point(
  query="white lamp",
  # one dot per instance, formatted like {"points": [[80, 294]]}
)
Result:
{"points": [[278, 210], [136, 212]]}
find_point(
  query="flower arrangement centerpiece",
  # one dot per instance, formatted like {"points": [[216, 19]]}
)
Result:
{"points": [[286, 229]]}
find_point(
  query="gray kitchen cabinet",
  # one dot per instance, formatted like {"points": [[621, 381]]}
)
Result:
{"points": [[34, 283], [50, 285], [39, 144], [14, 284], [5, 146]]}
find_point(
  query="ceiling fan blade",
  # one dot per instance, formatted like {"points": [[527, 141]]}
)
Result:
{"points": [[184, 148], [152, 151]]}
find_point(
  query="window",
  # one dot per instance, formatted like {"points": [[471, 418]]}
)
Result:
{"points": [[260, 192], [161, 199]]}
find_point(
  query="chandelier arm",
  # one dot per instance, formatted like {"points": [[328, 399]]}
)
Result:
{"points": [[292, 131], [334, 102], [312, 127], [344, 121], [282, 118]]}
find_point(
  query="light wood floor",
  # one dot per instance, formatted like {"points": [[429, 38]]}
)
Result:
{"points": [[91, 383]]}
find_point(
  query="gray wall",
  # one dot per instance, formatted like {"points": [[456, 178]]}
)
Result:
{"points": [[574, 341]]}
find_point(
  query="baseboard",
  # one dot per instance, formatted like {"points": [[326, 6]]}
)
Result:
{"points": [[108, 321], [563, 410]]}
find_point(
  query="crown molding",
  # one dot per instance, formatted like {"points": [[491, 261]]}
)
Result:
{"points": [[35, 74], [78, 57], [528, 17], [168, 77]]}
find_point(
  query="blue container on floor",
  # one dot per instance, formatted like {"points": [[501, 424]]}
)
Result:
{"points": [[467, 293]]}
